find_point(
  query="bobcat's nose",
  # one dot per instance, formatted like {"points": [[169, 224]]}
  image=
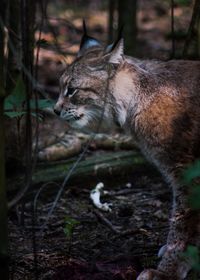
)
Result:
{"points": [[57, 112]]}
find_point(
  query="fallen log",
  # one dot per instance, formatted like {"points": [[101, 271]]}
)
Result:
{"points": [[99, 165]]}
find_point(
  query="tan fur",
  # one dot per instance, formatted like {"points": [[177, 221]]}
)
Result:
{"points": [[159, 104]]}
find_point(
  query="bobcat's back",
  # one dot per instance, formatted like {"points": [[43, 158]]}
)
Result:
{"points": [[167, 120]]}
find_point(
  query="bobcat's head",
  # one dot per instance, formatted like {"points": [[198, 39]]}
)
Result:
{"points": [[85, 101]]}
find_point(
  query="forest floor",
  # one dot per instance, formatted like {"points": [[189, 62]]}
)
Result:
{"points": [[79, 241], [82, 242]]}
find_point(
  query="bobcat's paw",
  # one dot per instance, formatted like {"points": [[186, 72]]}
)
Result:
{"points": [[162, 251], [152, 274], [173, 262]]}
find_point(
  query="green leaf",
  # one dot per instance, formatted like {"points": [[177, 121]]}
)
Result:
{"points": [[183, 2], [7, 105], [70, 224], [192, 253], [14, 114], [16, 99], [42, 103]]}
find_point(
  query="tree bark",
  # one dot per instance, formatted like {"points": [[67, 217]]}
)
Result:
{"points": [[4, 271], [27, 9], [14, 41], [111, 11], [198, 35], [190, 33], [127, 19], [3, 202]]}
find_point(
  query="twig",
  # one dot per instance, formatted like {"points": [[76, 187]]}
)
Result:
{"points": [[121, 192], [32, 80], [39, 192], [106, 221], [35, 74], [51, 28], [134, 231], [117, 231], [25, 70]]}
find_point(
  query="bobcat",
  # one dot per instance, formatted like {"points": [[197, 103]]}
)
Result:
{"points": [[159, 104]]}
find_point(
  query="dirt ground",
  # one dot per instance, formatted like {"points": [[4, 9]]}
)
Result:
{"points": [[102, 245]]}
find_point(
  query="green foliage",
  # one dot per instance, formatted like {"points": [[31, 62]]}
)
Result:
{"points": [[194, 199], [192, 253], [183, 2], [70, 224], [15, 103], [177, 34], [190, 174], [42, 104]]}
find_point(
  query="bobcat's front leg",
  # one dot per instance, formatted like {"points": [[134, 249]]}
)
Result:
{"points": [[184, 231]]}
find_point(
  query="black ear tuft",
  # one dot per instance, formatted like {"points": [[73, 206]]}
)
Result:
{"points": [[87, 41], [115, 51], [112, 46], [84, 27], [119, 37]]}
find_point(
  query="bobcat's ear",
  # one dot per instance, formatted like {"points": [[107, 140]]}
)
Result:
{"points": [[116, 53], [87, 41]]}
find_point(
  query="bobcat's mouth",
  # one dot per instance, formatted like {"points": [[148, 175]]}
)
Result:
{"points": [[71, 115], [87, 119]]}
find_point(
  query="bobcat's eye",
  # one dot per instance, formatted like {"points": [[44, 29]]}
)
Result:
{"points": [[69, 92]]}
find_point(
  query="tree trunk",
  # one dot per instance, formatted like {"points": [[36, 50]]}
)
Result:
{"points": [[198, 36], [27, 13], [187, 52], [3, 202], [111, 11], [127, 19], [14, 42]]}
